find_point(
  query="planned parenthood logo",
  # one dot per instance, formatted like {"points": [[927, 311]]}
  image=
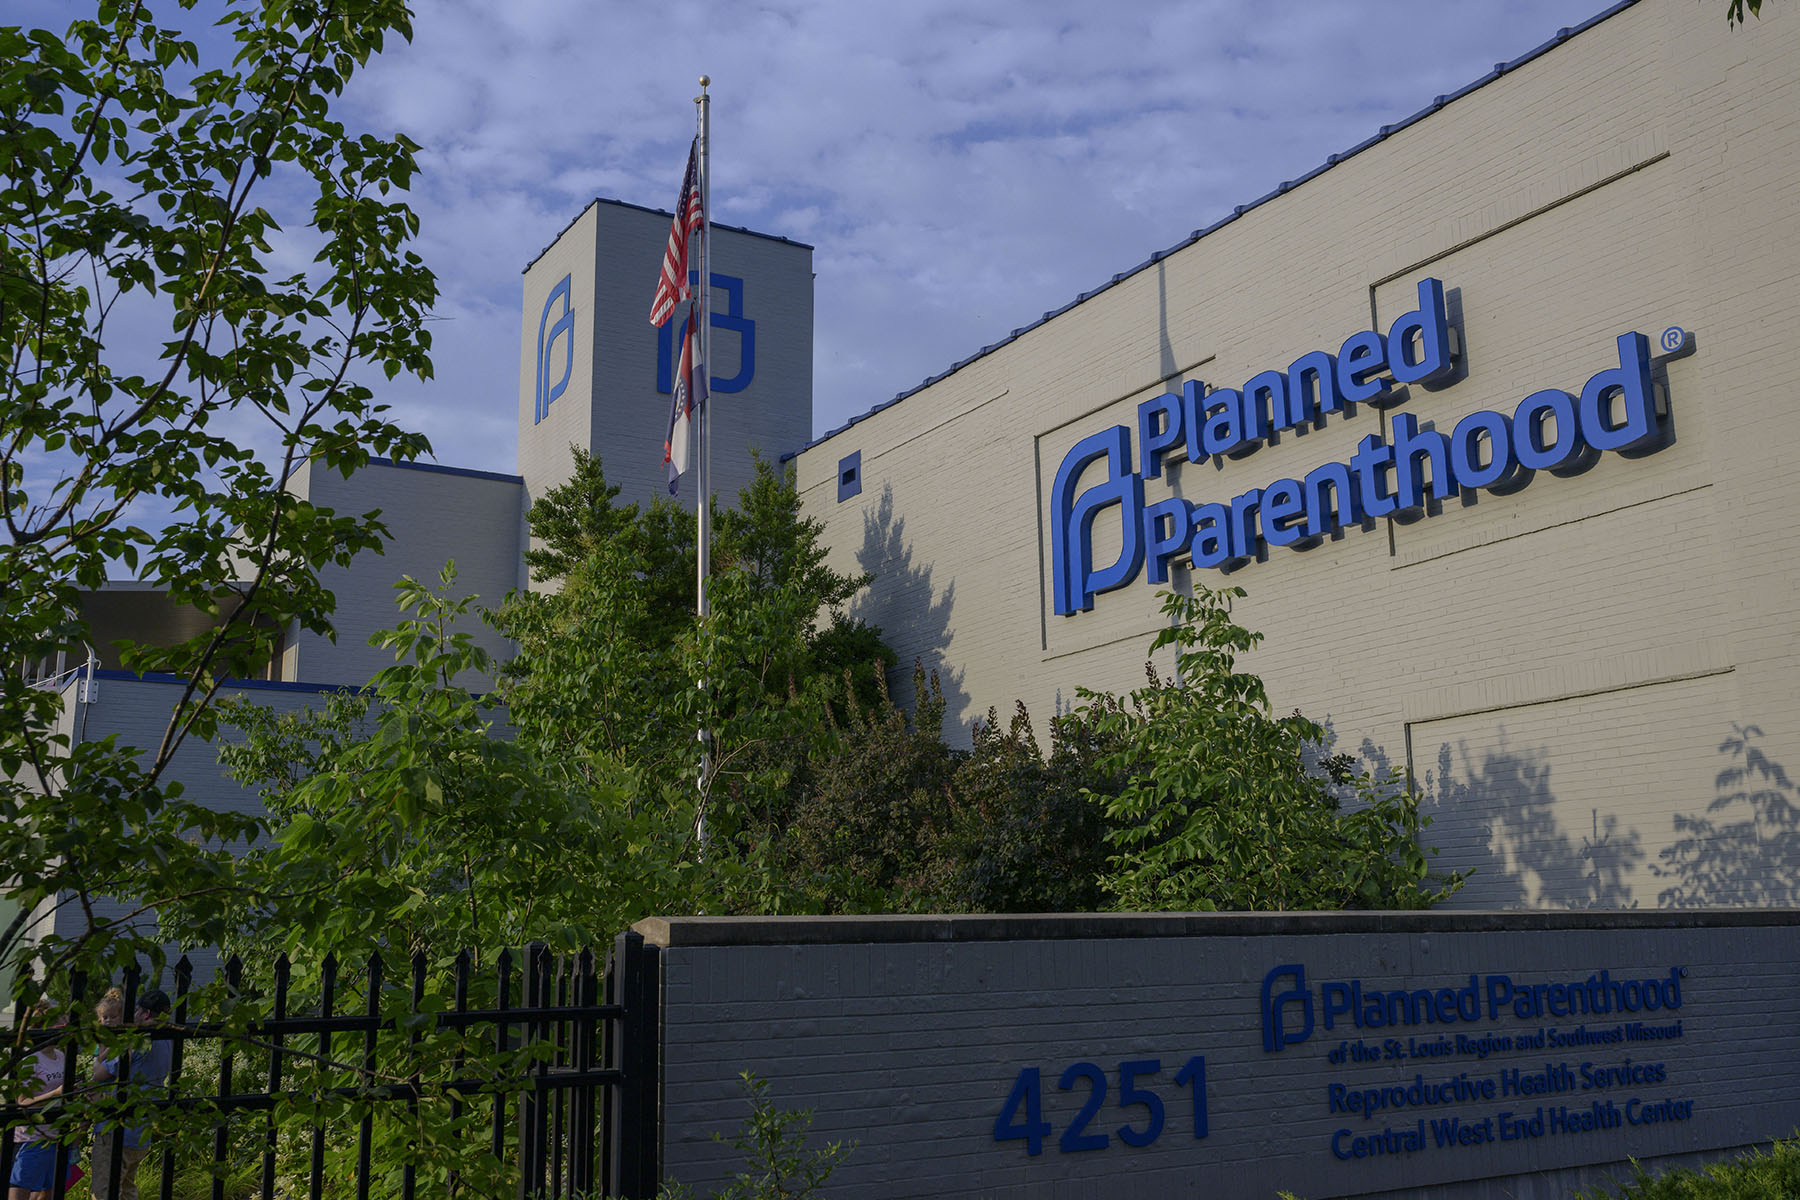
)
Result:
{"points": [[1276, 1005], [1415, 469], [549, 332], [732, 320]]}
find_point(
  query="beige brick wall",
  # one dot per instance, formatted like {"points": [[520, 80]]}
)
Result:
{"points": [[1609, 627]]}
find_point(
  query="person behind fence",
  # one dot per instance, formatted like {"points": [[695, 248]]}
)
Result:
{"points": [[146, 1068], [110, 1010], [34, 1156]]}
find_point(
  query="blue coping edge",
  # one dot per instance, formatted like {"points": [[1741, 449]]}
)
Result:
{"points": [[440, 469], [267, 685], [661, 212], [1387, 131]]}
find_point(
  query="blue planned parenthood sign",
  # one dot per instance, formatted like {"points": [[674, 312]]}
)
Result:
{"points": [[1234, 1054], [1618, 409]]}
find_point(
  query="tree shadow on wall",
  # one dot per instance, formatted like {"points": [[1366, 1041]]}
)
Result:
{"points": [[1745, 849], [906, 600], [1500, 818]]}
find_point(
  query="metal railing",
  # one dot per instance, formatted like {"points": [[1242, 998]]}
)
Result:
{"points": [[52, 672], [543, 1073]]}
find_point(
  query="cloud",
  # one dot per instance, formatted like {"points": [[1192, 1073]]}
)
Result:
{"points": [[959, 169]]}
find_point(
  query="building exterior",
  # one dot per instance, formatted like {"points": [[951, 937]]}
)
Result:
{"points": [[1560, 296], [437, 516], [602, 372], [594, 373], [1487, 416], [1568, 657]]}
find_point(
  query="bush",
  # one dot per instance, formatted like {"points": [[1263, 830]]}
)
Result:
{"points": [[1225, 806], [1758, 1175]]}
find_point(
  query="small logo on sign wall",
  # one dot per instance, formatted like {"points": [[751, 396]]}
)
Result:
{"points": [[548, 331], [1276, 1003], [1674, 338]]}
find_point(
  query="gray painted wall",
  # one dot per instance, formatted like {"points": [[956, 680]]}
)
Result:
{"points": [[434, 515], [908, 1034]]}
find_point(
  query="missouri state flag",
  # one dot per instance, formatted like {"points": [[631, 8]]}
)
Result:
{"points": [[690, 394]]}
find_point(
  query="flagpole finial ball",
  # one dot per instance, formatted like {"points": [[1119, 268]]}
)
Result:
{"points": [[706, 81]]}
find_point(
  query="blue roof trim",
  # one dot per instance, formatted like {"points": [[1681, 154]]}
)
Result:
{"points": [[262, 685], [440, 469], [768, 237], [1386, 131]]}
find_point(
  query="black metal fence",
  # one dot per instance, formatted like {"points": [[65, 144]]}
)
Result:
{"points": [[355, 1083]]}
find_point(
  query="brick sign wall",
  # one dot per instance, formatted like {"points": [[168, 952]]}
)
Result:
{"points": [[1233, 1055]]}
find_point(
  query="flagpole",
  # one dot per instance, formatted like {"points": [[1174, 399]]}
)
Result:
{"points": [[703, 501], [703, 496]]}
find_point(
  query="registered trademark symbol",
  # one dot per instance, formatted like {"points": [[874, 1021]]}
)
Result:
{"points": [[1673, 338]]}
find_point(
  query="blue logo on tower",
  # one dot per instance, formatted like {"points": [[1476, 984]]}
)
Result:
{"points": [[732, 320], [563, 327]]}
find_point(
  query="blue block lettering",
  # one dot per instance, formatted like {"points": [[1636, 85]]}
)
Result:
{"points": [[1431, 326], [1630, 383], [1026, 1093], [1539, 445], [1360, 363], [1159, 429]]}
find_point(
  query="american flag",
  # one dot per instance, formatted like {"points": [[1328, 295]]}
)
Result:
{"points": [[690, 393], [672, 288]]}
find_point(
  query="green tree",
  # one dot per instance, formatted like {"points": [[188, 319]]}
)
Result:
{"points": [[607, 679], [1026, 833], [597, 684], [865, 828], [136, 176], [1223, 805], [404, 823], [149, 177]]}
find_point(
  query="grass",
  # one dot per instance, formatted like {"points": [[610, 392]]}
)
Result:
{"points": [[190, 1184]]}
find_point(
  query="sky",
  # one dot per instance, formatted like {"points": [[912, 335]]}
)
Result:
{"points": [[960, 168]]}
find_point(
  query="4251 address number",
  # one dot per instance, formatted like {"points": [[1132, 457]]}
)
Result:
{"points": [[1022, 1116]]}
